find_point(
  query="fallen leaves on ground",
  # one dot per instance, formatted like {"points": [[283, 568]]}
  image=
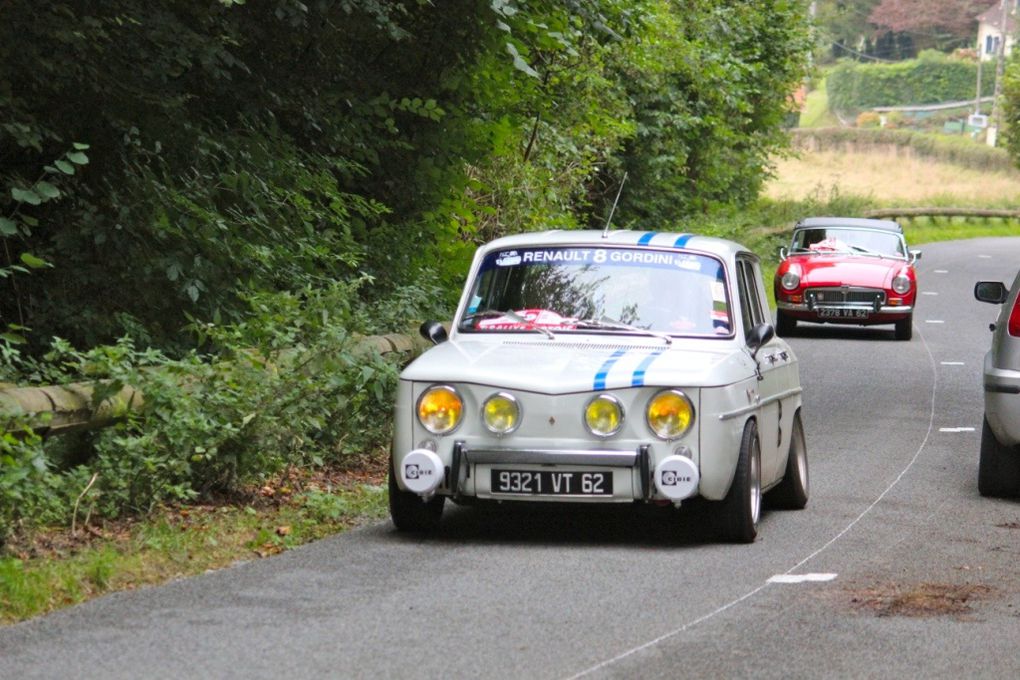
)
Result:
{"points": [[919, 600]]}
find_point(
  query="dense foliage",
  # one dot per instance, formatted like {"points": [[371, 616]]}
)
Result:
{"points": [[197, 185], [941, 24], [885, 30], [1011, 107], [163, 160], [931, 78]]}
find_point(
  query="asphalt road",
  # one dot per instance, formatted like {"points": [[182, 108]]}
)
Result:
{"points": [[895, 522]]}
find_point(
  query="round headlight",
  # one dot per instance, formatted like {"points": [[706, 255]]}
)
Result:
{"points": [[440, 409], [603, 416], [670, 414], [901, 284], [501, 413], [790, 281]]}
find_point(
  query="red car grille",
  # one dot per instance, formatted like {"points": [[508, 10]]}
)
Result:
{"points": [[846, 296]]}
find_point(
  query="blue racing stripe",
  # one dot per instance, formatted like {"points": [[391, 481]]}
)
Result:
{"points": [[639, 373], [646, 238], [682, 240], [600, 377]]}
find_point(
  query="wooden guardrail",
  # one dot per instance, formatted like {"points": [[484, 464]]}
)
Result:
{"points": [[893, 213], [59, 409]]}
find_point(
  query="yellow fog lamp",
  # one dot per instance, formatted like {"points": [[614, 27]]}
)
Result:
{"points": [[501, 413], [670, 414], [603, 416], [440, 409]]}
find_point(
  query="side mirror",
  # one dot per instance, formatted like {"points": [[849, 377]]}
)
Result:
{"points": [[994, 292], [433, 331], [915, 255], [759, 336], [782, 253]]}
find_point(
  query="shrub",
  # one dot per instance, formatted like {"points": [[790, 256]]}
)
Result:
{"points": [[868, 119]]}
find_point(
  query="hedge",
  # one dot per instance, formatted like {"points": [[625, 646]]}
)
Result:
{"points": [[932, 78]]}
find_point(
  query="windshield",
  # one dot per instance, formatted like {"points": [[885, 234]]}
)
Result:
{"points": [[848, 240], [587, 289]]}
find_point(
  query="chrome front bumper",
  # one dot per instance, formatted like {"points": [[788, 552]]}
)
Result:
{"points": [[813, 309]]}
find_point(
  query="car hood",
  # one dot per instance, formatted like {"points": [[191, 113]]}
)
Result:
{"points": [[871, 272], [567, 365]]}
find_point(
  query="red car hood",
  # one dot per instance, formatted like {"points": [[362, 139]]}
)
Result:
{"points": [[827, 270]]}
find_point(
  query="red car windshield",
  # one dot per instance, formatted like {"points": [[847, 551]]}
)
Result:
{"points": [[602, 289], [820, 240]]}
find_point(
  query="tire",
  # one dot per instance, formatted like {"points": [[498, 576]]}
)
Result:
{"points": [[792, 492], [905, 328], [409, 512], [741, 509], [998, 467], [786, 325]]}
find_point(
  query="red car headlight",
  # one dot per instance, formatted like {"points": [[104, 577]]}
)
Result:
{"points": [[901, 284], [790, 281]]}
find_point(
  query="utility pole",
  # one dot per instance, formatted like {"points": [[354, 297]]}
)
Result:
{"points": [[1000, 67]]}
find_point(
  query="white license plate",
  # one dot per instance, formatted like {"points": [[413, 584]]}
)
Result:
{"points": [[552, 482], [835, 313]]}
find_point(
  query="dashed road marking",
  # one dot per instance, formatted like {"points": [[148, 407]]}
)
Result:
{"points": [[985, 257], [956, 429], [934, 321], [928, 292], [802, 578], [952, 363], [941, 271]]}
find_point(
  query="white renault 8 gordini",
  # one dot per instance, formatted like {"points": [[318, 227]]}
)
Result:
{"points": [[603, 367]]}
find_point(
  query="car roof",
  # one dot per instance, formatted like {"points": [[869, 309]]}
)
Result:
{"points": [[719, 247], [860, 222]]}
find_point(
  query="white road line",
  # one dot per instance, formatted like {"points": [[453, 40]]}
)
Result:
{"points": [[985, 257], [751, 593], [928, 292], [956, 429], [941, 271], [952, 363], [934, 321], [802, 578]]}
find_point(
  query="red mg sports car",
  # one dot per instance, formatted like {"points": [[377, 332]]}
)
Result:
{"points": [[846, 270]]}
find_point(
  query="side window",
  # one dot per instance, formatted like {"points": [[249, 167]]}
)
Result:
{"points": [[749, 289]]}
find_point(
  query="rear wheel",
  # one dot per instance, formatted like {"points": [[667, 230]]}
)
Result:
{"points": [[905, 328], [792, 492], [741, 509], [998, 467], [409, 512], [786, 325]]}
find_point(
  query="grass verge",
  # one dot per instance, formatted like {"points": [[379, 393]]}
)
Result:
{"points": [[57, 569]]}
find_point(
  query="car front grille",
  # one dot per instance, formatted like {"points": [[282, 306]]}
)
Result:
{"points": [[846, 296]]}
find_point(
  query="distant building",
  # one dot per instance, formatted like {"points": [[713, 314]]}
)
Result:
{"points": [[990, 29]]}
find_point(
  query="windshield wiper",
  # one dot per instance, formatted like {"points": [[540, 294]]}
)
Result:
{"points": [[865, 251], [495, 313], [612, 324]]}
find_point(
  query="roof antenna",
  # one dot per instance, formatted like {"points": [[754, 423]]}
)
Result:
{"points": [[605, 232]]}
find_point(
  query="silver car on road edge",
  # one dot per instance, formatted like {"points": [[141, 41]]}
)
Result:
{"points": [[999, 466], [603, 367]]}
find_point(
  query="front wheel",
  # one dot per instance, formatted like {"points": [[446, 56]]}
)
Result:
{"points": [[409, 512], [998, 467], [792, 492], [905, 328], [741, 509]]}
